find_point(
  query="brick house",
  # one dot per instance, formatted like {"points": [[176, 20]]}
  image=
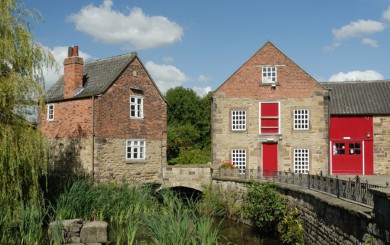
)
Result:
{"points": [[106, 118], [271, 115]]}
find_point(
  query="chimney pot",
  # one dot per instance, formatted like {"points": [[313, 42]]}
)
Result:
{"points": [[75, 50], [70, 51]]}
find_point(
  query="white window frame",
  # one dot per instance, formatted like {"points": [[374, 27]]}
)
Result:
{"points": [[269, 74], [301, 119], [301, 161], [137, 106], [238, 158], [50, 112], [136, 149], [238, 120]]}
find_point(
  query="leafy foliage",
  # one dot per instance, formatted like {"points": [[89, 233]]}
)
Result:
{"points": [[290, 228], [22, 148], [189, 126], [264, 206]]}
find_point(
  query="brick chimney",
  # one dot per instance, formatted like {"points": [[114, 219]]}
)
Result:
{"points": [[73, 72]]}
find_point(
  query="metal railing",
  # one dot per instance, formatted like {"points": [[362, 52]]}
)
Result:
{"points": [[351, 189]]}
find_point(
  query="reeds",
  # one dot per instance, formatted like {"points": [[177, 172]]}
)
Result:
{"points": [[137, 214]]}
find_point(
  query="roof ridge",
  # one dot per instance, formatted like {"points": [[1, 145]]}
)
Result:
{"points": [[112, 57], [356, 81]]}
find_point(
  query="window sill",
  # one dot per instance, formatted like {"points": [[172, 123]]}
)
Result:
{"points": [[269, 84], [136, 161], [238, 130]]}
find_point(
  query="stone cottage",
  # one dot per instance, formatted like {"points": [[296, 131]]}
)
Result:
{"points": [[106, 118]]}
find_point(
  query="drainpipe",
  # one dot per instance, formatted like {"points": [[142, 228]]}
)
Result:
{"points": [[93, 138], [161, 155], [328, 143]]}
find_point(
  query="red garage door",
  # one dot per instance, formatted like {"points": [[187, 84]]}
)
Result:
{"points": [[347, 157]]}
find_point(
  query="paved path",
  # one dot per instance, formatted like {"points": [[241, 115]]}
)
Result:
{"points": [[380, 180]]}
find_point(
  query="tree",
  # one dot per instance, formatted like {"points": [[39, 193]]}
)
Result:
{"points": [[189, 126], [22, 148]]}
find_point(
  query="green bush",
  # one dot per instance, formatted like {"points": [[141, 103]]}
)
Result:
{"points": [[192, 156], [290, 228], [264, 206]]}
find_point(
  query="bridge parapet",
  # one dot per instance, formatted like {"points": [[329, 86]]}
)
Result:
{"points": [[191, 176]]}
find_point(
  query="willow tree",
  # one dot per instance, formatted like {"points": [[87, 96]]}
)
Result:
{"points": [[22, 149]]}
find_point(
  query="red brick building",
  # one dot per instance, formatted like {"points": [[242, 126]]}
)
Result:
{"points": [[106, 118], [273, 116]]}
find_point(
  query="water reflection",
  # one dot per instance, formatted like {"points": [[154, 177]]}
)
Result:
{"points": [[242, 234]]}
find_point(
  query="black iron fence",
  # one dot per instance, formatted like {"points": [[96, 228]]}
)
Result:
{"points": [[352, 189]]}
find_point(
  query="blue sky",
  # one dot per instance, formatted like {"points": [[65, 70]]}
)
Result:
{"points": [[199, 44]]}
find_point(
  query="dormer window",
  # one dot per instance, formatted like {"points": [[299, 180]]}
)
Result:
{"points": [[269, 75]]}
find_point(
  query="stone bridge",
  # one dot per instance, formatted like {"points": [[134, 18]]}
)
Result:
{"points": [[326, 218], [195, 177]]}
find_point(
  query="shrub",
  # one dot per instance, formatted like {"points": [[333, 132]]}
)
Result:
{"points": [[264, 206], [290, 228]]}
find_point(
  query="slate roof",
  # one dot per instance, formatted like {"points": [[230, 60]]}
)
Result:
{"points": [[359, 98], [98, 76]]}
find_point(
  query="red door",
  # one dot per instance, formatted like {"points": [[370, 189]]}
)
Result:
{"points": [[347, 157], [270, 159]]}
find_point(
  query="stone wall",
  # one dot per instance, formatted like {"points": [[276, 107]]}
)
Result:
{"points": [[196, 177], [315, 139], [381, 145], [331, 220], [111, 163], [70, 155], [76, 231]]}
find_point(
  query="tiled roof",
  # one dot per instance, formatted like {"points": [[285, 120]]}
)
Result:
{"points": [[98, 76], [359, 98]]}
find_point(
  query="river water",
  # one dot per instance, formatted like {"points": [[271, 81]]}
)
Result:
{"points": [[242, 234]]}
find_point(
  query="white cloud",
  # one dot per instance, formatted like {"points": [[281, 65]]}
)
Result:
{"points": [[202, 91], [358, 29], [333, 47], [133, 30], [356, 76], [204, 78], [165, 76], [167, 59], [386, 14], [59, 53], [370, 42]]}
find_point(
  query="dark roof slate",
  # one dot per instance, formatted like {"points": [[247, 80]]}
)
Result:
{"points": [[359, 98], [98, 76]]}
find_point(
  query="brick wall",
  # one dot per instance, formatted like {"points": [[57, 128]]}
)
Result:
{"points": [[72, 119], [113, 108], [295, 90]]}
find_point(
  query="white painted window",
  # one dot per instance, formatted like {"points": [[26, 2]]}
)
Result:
{"points": [[136, 107], [301, 161], [239, 159], [269, 74], [238, 120], [135, 149], [301, 119], [50, 112]]}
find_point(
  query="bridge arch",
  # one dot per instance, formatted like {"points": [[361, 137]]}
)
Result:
{"points": [[186, 176]]}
